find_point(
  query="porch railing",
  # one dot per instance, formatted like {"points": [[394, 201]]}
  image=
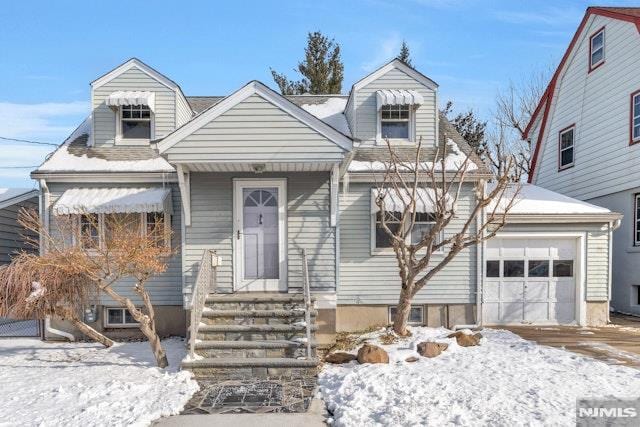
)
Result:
{"points": [[307, 301], [199, 296]]}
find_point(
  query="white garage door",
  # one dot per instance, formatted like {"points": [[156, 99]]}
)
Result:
{"points": [[530, 281]]}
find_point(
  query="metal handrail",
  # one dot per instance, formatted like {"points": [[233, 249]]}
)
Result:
{"points": [[198, 297], [307, 301]]}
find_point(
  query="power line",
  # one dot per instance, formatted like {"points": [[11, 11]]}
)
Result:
{"points": [[28, 141], [17, 167]]}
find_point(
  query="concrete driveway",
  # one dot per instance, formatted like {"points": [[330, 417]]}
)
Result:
{"points": [[618, 343]]}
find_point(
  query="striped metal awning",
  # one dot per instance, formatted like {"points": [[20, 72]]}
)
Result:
{"points": [[113, 200], [395, 202], [129, 97], [398, 97]]}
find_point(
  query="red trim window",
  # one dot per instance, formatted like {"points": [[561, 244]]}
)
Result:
{"points": [[566, 145], [634, 113], [636, 220], [596, 49]]}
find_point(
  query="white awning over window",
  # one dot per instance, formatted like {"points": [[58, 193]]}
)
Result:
{"points": [[393, 202], [132, 97], [398, 97], [113, 200]]}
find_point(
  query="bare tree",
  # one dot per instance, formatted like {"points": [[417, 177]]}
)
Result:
{"points": [[99, 253], [407, 182]]}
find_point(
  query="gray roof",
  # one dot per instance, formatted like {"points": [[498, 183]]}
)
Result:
{"points": [[78, 147], [201, 103]]}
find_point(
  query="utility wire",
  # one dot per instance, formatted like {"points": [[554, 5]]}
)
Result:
{"points": [[28, 141], [17, 167]]}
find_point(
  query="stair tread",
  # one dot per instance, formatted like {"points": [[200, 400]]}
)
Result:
{"points": [[255, 298], [234, 362], [213, 344], [210, 312], [253, 328]]}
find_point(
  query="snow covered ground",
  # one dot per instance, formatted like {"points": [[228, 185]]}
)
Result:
{"points": [[83, 384], [503, 381]]}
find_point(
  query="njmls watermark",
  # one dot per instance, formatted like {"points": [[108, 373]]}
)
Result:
{"points": [[607, 412]]}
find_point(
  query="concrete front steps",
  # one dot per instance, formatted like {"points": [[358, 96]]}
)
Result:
{"points": [[253, 336]]}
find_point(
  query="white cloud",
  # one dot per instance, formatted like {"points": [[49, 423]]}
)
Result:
{"points": [[49, 121], [551, 16], [387, 50]]}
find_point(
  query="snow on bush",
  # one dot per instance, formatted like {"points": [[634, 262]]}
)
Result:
{"points": [[84, 384], [503, 381]]}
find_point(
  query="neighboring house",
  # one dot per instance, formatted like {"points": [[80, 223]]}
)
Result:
{"points": [[12, 234], [586, 131], [13, 239], [251, 179]]}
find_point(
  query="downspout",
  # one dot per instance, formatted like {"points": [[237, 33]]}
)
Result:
{"points": [[612, 227], [44, 214]]}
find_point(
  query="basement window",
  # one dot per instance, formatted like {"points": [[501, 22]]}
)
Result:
{"points": [[119, 318], [416, 315]]}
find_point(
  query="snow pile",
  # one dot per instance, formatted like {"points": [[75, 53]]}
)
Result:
{"points": [[454, 161], [331, 112], [532, 199], [504, 381], [83, 384]]}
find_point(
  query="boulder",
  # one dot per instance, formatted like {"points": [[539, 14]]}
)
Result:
{"points": [[369, 353], [340, 357], [466, 340], [431, 349], [411, 359]]}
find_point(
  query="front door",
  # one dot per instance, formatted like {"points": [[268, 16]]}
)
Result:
{"points": [[260, 245]]}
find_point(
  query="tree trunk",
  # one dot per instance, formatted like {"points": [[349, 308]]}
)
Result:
{"points": [[156, 346], [403, 310], [88, 330]]}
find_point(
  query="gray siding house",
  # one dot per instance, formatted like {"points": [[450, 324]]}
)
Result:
{"points": [[11, 233], [586, 132], [251, 180]]}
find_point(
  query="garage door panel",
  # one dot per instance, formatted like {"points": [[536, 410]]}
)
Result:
{"points": [[562, 312], [512, 312], [492, 291], [512, 291], [535, 311], [537, 291], [492, 312], [564, 291]]}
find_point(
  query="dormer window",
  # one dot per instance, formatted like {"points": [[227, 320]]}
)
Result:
{"points": [[394, 121], [596, 49], [136, 122]]}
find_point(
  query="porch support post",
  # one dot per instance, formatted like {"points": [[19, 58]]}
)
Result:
{"points": [[184, 182], [334, 189]]}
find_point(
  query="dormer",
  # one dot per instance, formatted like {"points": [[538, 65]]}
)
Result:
{"points": [[395, 102], [134, 104]]}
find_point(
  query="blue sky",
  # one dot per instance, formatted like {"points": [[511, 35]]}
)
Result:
{"points": [[50, 51]]}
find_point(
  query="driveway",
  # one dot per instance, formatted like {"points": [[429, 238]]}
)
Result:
{"points": [[616, 344]]}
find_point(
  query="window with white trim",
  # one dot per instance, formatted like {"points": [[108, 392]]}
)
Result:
{"points": [[93, 230], [416, 314], [395, 122], [596, 51], [636, 220], [566, 147], [423, 224], [135, 122], [635, 117], [117, 317]]}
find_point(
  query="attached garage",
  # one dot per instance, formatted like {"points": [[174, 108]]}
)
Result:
{"points": [[550, 263], [532, 280]]}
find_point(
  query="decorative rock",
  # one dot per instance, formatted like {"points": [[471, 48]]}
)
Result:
{"points": [[369, 353], [340, 357], [411, 359], [431, 349], [466, 340]]}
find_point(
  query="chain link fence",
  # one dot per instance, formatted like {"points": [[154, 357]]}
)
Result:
{"points": [[20, 328]]}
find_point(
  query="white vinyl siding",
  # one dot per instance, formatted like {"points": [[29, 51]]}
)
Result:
{"points": [[104, 118], [255, 131], [307, 227], [599, 105], [367, 114], [367, 278], [165, 288], [183, 111]]}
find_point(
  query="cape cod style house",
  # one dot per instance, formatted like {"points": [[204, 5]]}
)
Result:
{"points": [[586, 131], [265, 193]]}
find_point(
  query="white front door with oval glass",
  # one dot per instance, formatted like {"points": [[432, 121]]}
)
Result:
{"points": [[259, 235]]}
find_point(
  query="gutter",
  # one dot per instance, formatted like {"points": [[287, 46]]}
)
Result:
{"points": [[43, 208]]}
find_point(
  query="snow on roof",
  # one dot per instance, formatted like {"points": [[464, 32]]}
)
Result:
{"points": [[7, 195], [454, 161], [532, 199], [74, 156], [331, 112]]}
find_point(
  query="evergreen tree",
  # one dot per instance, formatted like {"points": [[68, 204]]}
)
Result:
{"points": [[322, 69], [468, 126], [405, 55]]}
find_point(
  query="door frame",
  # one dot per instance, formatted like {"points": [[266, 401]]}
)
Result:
{"points": [[580, 270], [238, 259]]}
